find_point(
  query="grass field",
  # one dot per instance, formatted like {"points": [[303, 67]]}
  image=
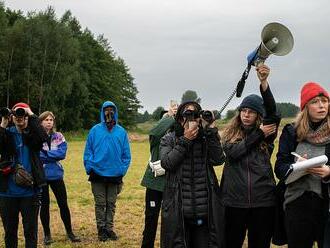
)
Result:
{"points": [[130, 205]]}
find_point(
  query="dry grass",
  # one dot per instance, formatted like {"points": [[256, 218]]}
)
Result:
{"points": [[129, 217]]}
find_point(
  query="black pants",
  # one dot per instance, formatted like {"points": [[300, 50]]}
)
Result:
{"points": [[196, 236], [153, 201], [10, 207], [259, 222], [326, 243], [59, 190], [305, 221]]}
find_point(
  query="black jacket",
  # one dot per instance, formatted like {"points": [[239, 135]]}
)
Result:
{"points": [[248, 179], [175, 152], [33, 136]]}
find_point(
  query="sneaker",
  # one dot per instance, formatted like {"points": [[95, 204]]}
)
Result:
{"points": [[112, 235], [102, 235], [73, 238], [48, 240]]}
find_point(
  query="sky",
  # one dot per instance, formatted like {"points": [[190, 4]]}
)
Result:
{"points": [[172, 46]]}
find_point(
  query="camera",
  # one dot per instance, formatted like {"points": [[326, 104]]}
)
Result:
{"points": [[6, 112], [206, 115]]}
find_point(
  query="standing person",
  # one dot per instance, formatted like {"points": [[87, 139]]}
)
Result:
{"points": [[22, 173], [248, 184], [154, 182], [306, 199], [53, 151], [106, 158], [191, 209]]}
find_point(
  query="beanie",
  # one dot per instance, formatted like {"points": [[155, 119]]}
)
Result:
{"points": [[254, 102], [309, 91], [21, 105]]}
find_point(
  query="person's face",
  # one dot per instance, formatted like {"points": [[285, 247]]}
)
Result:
{"points": [[108, 113], [48, 123], [318, 108], [193, 108], [248, 116], [20, 122]]}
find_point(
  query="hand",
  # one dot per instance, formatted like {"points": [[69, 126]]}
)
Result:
{"points": [[268, 129], [191, 132], [4, 122], [28, 111], [263, 73], [322, 171]]}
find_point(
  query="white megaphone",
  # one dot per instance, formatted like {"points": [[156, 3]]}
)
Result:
{"points": [[275, 39]]}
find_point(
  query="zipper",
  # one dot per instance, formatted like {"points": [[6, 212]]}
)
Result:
{"points": [[249, 181], [193, 201]]}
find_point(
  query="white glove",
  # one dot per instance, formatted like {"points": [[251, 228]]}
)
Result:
{"points": [[156, 168]]}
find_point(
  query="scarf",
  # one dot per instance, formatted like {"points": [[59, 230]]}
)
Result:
{"points": [[320, 136]]}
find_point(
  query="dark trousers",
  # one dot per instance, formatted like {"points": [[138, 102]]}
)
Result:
{"points": [[153, 202], [305, 219], [259, 222], [196, 236], [10, 207], [105, 197], [326, 243], [59, 190]]}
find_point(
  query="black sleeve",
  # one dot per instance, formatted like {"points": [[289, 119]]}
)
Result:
{"points": [[35, 135], [287, 144], [172, 153], [237, 150], [7, 145], [215, 154]]}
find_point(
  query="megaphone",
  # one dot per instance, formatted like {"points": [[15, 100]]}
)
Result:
{"points": [[275, 39]]}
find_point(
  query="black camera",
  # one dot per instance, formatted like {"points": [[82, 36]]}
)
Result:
{"points": [[190, 115], [207, 115], [6, 112]]}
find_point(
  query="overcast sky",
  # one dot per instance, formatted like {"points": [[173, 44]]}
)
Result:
{"points": [[171, 46]]}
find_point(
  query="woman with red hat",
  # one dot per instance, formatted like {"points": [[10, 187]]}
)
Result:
{"points": [[306, 199], [20, 145]]}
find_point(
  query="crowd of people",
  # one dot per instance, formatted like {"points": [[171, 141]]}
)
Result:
{"points": [[181, 183]]}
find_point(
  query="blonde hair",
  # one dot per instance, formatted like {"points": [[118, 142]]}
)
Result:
{"points": [[302, 123], [44, 115]]}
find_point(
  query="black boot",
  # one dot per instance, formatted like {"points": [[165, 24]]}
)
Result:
{"points": [[73, 237], [112, 235], [48, 239], [102, 234]]}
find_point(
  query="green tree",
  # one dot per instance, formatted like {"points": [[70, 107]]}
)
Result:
{"points": [[190, 95], [287, 109], [157, 112]]}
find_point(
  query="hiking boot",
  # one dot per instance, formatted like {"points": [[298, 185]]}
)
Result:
{"points": [[102, 235], [73, 238], [112, 235], [48, 239]]}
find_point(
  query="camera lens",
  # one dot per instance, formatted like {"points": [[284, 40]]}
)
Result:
{"points": [[5, 112], [190, 114], [20, 112], [207, 115]]}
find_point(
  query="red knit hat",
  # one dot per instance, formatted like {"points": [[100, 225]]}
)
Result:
{"points": [[21, 105], [309, 91]]}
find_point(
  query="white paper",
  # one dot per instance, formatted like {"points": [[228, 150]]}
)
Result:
{"points": [[299, 168]]}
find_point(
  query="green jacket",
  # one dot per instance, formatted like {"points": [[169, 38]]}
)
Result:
{"points": [[156, 133]]}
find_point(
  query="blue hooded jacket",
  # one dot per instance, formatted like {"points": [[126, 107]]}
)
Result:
{"points": [[107, 153]]}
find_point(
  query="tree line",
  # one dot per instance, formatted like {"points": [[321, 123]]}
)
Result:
{"points": [[53, 64]]}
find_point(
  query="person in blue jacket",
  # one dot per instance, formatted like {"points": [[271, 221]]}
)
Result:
{"points": [[20, 146], [53, 151], [107, 157]]}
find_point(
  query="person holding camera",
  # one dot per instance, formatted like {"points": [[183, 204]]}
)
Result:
{"points": [[191, 211], [53, 151], [154, 178], [22, 172], [248, 184], [306, 200], [107, 157]]}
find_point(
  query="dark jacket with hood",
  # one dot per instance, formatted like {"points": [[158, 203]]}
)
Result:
{"points": [[191, 160], [32, 139], [248, 179]]}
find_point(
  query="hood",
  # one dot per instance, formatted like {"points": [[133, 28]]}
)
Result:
{"points": [[178, 116], [108, 104]]}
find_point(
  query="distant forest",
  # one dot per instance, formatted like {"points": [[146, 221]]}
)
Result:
{"points": [[53, 64]]}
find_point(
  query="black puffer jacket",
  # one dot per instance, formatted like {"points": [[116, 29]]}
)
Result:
{"points": [[202, 154], [248, 178]]}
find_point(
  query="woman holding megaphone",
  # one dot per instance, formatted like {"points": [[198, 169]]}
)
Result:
{"points": [[247, 184]]}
